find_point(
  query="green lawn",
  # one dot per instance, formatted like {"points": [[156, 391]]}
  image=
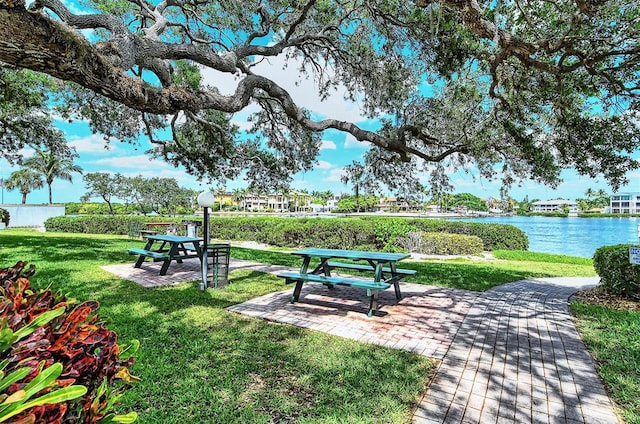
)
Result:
{"points": [[202, 364], [199, 363], [613, 338]]}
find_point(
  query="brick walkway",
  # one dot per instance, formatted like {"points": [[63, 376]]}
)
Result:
{"points": [[517, 358], [509, 355]]}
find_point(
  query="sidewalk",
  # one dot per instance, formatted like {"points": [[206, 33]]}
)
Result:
{"points": [[517, 358], [509, 355]]}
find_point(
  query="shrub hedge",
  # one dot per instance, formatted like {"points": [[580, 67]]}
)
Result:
{"points": [[4, 216], [98, 224], [442, 243], [367, 233], [617, 275]]}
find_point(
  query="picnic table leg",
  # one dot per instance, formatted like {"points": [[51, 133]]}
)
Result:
{"points": [[173, 251], [165, 266], [296, 291], [396, 284], [179, 249], [305, 265], [139, 262], [141, 258], [373, 304]]}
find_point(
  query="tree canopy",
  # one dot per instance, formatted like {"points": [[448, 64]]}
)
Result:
{"points": [[509, 90]]}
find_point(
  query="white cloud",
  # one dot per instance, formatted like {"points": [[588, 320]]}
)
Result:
{"points": [[298, 184], [328, 145], [351, 142], [335, 175], [133, 162], [302, 90], [90, 144], [324, 165]]}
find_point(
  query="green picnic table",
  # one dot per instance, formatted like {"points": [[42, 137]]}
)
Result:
{"points": [[167, 248], [381, 264]]}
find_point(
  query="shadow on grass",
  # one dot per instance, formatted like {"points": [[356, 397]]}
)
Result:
{"points": [[197, 360]]}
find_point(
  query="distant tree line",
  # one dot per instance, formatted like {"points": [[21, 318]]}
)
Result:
{"points": [[139, 195]]}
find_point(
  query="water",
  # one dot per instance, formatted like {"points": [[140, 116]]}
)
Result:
{"points": [[571, 236]]}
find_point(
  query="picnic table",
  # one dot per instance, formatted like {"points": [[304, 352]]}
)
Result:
{"points": [[167, 248], [149, 231], [381, 264]]}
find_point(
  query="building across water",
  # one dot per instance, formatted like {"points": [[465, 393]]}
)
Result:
{"points": [[625, 203], [556, 205]]}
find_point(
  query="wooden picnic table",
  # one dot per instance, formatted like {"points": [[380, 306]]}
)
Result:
{"points": [[167, 248], [381, 264]]}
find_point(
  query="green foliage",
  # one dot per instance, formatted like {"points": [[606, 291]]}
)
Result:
{"points": [[4, 216], [58, 364], [608, 215], [443, 244], [95, 208], [596, 199], [53, 164], [25, 180], [388, 231], [494, 236], [98, 224], [379, 233], [25, 118], [617, 275], [357, 204], [469, 201]]}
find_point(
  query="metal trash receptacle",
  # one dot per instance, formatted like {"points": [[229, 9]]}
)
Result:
{"points": [[218, 264], [191, 227]]}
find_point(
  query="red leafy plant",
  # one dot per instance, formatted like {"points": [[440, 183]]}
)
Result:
{"points": [[58, 363]]}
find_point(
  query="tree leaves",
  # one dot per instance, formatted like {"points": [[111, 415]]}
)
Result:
{"points": [[495, 89]]}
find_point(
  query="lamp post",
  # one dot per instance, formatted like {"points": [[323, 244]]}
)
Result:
{"points": [[205, 200]]}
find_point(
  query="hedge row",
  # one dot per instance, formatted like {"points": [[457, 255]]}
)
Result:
{"points": [[370, 233], [617, 274], [442, 244], [4, 216]]}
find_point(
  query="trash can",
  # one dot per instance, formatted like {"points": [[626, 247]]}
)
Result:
{"points": [[218, 264], [191, 228]]}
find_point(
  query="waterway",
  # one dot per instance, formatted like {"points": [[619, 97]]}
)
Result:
{"points": [[570, 236]]}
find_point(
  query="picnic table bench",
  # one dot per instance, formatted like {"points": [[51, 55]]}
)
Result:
{"points": [[383, 265], [172, 248]]}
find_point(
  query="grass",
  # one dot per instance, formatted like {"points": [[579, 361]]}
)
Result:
{"points": [[613, 338], [200, 363]]}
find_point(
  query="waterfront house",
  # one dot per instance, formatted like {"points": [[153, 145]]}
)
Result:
{"points": [[625, 203], [556, 205]]}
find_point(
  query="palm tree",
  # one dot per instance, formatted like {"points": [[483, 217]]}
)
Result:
{"points": [[236, 195], [25, 180], [220, 192], [589, 193], [52, 165], [354, 174]]}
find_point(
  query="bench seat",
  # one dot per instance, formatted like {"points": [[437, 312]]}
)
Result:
{"points": [[362, 267], [154, 255], [373, 288], [342, 281]]}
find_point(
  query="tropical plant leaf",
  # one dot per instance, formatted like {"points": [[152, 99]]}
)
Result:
{"points": [[13, 377]]}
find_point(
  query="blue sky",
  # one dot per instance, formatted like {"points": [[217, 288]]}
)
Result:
{"points": [[337, 151]]}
